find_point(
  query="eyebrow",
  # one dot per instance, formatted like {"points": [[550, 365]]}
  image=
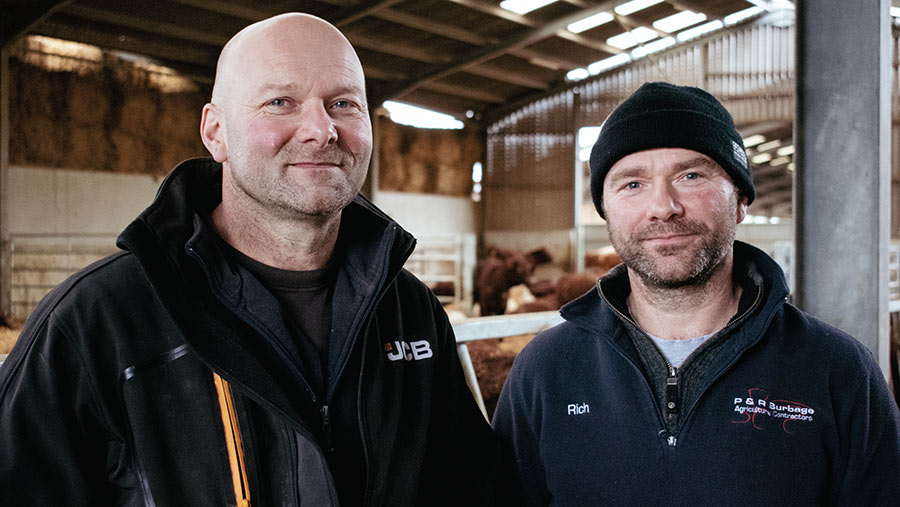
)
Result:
{"points": [[696, 162], [641, 170], [629, 172]]}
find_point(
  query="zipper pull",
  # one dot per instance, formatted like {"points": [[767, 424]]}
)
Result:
{"points": [[326, 426], [672, 393]]}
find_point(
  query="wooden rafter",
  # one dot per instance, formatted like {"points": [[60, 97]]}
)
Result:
{"points": [[165, 28], [773, 198], [19, 18], [227, 8], [359, 11], [486, 53], [434, 27]]}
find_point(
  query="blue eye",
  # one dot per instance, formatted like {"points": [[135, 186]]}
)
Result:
{"points": [[633, 185], [277, 102], [341, 104]]}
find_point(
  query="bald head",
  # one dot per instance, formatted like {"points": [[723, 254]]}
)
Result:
{"points": [[290, 34], [289, 122]]}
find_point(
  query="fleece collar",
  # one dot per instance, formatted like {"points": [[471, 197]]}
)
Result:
{"points": [[753, 268]]}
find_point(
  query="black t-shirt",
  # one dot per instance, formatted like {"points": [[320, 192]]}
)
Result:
{"points": [[305, 298], [306, 305]]}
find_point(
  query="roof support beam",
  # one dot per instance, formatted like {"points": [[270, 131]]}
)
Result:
{"points": [[359, 11], [772, 185], [771, 199], [496, 11], [464, 91], [590, 43], [484, 54], [155, 47], [767, 171], [506, 76], [401, 50], [227, 8], [544, 60], [17, 18], [143, 24], [462, 35], [430, 26]]}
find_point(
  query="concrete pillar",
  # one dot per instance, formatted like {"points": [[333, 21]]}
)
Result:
{"points": [[370, 185], [842, 176]]}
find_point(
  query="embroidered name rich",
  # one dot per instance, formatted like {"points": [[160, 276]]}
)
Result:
{"points": [[578, 409]]}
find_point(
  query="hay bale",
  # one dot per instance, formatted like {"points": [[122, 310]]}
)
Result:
{"points": [[8, 337]]}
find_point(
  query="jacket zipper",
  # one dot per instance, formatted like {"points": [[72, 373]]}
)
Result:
{"points": [[672, 391], [672, 408], [324, 408], [326, 428]]}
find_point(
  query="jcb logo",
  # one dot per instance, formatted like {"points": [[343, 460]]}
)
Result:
{"points": [[412, 351]]}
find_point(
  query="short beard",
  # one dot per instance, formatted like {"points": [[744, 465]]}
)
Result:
{"points": [[287, 201], [706, 260]]}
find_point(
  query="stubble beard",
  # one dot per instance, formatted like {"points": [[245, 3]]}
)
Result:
{"points": [[674, 267], [271, 186]]}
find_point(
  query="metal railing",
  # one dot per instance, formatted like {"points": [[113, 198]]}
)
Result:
{"points": [[39, 262], [498, 326], [446, 259]]}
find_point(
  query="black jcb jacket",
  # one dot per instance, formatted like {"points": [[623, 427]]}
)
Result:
{"points": [[155, 377]]}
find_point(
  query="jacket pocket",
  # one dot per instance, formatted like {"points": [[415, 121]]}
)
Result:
{"points": [[176, 431]]}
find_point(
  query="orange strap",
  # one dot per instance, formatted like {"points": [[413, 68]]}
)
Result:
{"points": [[233, 442]]}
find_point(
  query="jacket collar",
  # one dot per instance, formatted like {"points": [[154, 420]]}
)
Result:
{"points": [[194, 188], [201, 288], [604, 308]]}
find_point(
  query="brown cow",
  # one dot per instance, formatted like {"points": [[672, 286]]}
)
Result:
{"points": [[501, 269]]}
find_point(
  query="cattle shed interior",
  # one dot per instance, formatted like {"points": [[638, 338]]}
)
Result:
{"points": [[99, 99]]}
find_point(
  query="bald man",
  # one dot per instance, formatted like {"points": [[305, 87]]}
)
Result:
{"points": [[257, 340]]}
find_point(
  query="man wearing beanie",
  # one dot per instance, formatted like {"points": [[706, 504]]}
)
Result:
{"points": [[685, 377]]}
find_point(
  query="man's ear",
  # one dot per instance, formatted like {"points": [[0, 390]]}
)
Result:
{"points": [[212, 132], [741, 206]]}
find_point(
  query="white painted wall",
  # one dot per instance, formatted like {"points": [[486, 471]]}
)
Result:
{"points": [[430, 214], [60, 221], [64, 202]]}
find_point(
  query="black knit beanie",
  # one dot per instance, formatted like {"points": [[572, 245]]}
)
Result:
{"points": [[663, 115]]}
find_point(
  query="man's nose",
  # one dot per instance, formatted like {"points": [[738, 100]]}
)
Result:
{"points": [[664, 203], [316, 126]]}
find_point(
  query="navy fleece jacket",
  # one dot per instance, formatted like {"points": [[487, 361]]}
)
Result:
{"points": [[785, 410]]}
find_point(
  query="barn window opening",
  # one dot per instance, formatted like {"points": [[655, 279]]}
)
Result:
{"points": [[524, 6], [476, 181], [685, 25], [589, 22], [414, 116], [634, 6]]}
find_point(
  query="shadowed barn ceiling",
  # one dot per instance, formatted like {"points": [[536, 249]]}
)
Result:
{"points": [[454, 56], [468, 58]]}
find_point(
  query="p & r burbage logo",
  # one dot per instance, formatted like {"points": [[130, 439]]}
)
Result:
{"points": [[757, 410]]}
